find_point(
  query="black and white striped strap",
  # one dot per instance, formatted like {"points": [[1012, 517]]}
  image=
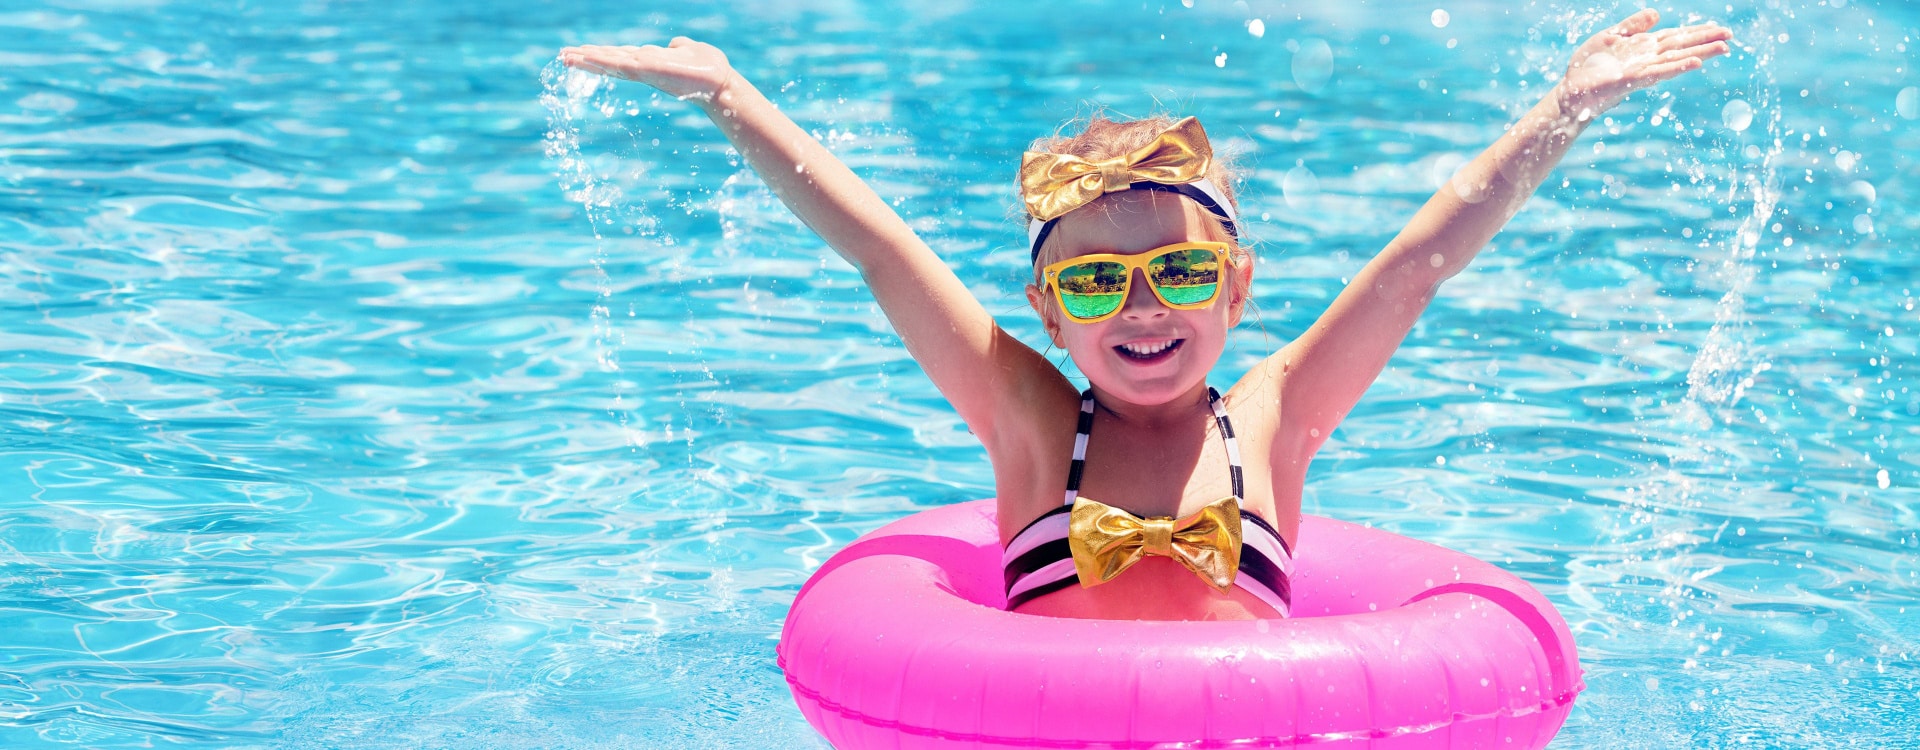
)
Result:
{"points": [[1226, 434], [1079, 465]]}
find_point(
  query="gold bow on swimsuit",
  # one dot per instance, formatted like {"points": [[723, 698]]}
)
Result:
{"points": [[1053, 184], [1106, 540]]}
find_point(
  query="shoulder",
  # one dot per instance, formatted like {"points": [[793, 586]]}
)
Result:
{"points": [[1255, 399], [1031, 450], [1028, 417]]}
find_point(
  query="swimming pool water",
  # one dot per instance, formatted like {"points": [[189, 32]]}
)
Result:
{"points": [[346, 406]]}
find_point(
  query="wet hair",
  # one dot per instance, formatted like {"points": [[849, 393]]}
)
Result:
{"points": [[1105, 138]]}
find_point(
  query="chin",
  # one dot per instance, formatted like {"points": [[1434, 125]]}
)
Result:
{"points": [[1150, 391]]}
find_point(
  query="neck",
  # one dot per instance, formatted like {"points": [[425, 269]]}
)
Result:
{"points": [[1179, 410]]}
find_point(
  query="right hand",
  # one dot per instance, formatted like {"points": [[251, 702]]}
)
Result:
{"points": [[1630, 56], [686, 69]]}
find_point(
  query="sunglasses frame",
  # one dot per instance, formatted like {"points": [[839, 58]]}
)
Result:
{"points": [[1138, 261]]}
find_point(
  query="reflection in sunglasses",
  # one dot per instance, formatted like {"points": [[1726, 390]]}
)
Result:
{"points": [[1094, 287]]}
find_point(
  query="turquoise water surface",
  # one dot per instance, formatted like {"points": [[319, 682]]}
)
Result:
{"points": [[370, 382]]}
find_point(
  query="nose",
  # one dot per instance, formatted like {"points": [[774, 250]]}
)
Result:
{"points": [[1142, 303]]}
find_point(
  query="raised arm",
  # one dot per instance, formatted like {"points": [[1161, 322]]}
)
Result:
{"points": [[973, 363], [1321, 374]]}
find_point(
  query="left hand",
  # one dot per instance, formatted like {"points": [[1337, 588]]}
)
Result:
{"points": [[1630, 56], [686, 69]]}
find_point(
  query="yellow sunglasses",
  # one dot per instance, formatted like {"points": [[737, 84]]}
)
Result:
{"points": [[1093, 288]]}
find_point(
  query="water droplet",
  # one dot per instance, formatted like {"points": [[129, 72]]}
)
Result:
{"points": [[1863, 189], [1299, 185], [1257, 28], [1907, 103], [1313, 65], [580, 84], [1883, 479], [1737, 115], [1440, 18], [1483, 682], [1220, 61], [1863, 224]]}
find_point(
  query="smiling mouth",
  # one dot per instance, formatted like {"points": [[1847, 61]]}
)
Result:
{"points": [[1149, 351]]}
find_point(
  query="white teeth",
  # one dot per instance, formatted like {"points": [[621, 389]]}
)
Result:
{"points": [[1147, 349]]}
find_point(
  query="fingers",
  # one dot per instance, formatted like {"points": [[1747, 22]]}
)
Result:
{"points": [[1656, 73], [1637, 23], [1694, 36], [591, 58], [1702, 52], [606, 54], [603, 59], [1673, 62], [1702, 45]]}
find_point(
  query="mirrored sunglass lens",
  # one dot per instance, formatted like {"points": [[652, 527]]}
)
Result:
{"points": [[1090, 290], [1186, 277]]}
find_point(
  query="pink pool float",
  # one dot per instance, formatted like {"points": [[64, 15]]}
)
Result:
{"points": [[901, 641]]}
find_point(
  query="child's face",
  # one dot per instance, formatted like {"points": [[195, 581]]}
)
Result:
{"points": [[1147, 353]]}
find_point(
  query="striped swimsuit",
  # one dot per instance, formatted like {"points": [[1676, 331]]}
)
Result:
{"points": [[1038, 560]]}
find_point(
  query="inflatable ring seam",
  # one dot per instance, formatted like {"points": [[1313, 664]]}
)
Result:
{"points": [[1299, 739]]}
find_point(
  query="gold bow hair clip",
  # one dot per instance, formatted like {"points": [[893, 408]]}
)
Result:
{"points": [[1106, 540], [1053, 184]]}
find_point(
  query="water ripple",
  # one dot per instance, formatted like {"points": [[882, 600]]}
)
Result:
{"points": [[341, 410]]}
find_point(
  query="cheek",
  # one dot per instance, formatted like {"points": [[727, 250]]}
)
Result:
{"points": [[1214, 326], [1076, 336]]}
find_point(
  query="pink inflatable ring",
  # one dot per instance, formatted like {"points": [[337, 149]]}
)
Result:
{"points": [[900, 641]]}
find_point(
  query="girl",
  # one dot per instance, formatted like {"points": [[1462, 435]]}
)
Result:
{"points": [[1151, 479]]}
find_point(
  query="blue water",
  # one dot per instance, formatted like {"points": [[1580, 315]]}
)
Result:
{"points": [[362, 388]]}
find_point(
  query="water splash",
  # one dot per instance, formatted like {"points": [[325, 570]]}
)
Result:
{"points": [[1727, 362], [568, 95], [1657, 574]]}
